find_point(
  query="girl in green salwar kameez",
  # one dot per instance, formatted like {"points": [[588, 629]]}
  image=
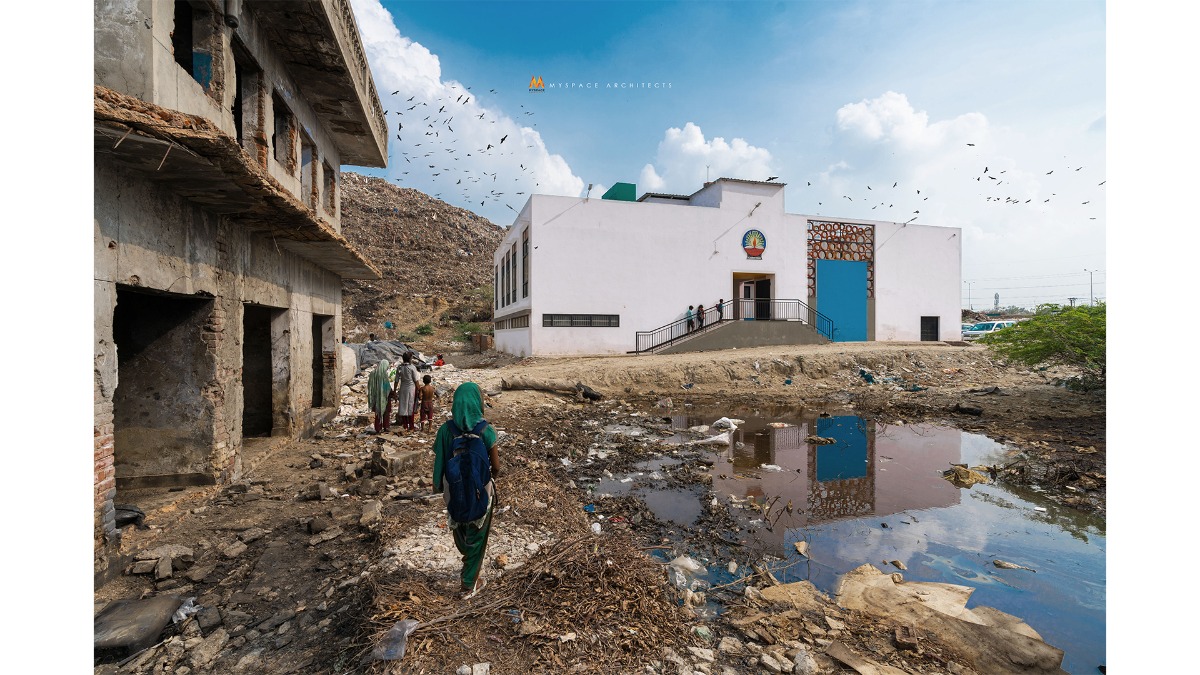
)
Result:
{"points": [[470, 538]]}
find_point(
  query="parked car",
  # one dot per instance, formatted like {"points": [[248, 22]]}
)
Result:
{"points": [[984, 327]]}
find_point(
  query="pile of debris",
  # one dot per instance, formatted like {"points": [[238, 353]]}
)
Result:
{"points": [[432, 256]]}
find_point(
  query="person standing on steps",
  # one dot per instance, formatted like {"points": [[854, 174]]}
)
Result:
{"points": [[700, 316], [691, 319], [720, 310]]}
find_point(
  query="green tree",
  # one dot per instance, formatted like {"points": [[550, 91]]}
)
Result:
{"points": [[1057, 335]]}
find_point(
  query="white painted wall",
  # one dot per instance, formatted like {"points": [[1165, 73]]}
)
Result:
{"points": [[645, 262], [918, 272]]}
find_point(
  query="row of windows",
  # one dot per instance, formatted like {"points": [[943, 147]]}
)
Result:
{"points": [[505, 284], [194, 37], [515, 322], [581, 320]]}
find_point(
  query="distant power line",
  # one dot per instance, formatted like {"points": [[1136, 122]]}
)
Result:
{"points": [[1041, 276]]}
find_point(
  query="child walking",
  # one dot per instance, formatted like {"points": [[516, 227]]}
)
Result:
{"points": [[426, 394]]}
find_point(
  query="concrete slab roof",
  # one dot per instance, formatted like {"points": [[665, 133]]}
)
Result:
{"points": [[320, 44], [201, 163]]}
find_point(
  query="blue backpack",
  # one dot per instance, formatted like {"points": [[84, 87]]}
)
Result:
{"points": [[468, 471]]}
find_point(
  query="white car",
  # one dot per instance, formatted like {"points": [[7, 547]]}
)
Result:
{"points": [[984, 327]]}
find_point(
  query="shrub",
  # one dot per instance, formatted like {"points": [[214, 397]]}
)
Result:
{"points": [[424, 329], [466, 330], [1057, 335]]}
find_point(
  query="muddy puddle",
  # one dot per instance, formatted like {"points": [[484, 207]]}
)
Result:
{"points": [[856, 491]]}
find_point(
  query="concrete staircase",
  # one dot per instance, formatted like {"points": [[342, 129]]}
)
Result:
{"points": [[743, 334]]}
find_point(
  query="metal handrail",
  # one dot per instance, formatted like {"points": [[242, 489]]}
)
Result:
{"points": [[766, 309]]}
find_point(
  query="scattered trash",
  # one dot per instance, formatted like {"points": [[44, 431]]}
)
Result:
{"points": [[719, 439], [898, 565], [595, 528], [802, 548], [866, 376], [395, 642], [1011, 566], [771, 467], [188, 608], [590, 508], [726, 423], [733, 567], [963, 477], [820, 440], [788, 381], [1040, 509], [686, 563], [987, 390], [967, 409], [779, 425]]}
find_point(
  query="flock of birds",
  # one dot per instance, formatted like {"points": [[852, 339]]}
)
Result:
{"points": [[432, 139], [885, 197], [433, 151]]}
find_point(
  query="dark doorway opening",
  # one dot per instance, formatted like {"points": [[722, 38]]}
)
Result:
{"points": [[162, 424], [259, 371], [762, 299], [929, 329], [322, 359]]}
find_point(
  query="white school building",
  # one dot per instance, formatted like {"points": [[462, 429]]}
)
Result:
{"points": [[614, 275]]}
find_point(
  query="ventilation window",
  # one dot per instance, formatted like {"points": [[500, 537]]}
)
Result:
{"points": [[281, 138], [330, 179]]}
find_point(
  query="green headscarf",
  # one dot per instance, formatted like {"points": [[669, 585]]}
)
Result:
{"points": [[378, 388], [468, 406]]}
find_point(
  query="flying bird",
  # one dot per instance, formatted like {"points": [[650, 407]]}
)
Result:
{"points": [[1101, 183], [971, 144], [1049, 172], [895, 184], [397, 92], [504, 139], [410, 98], [772, 178]]}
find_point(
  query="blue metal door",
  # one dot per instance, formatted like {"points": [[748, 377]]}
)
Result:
{"points": [[842, 296]]}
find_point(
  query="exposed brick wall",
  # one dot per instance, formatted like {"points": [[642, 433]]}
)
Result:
{"points": [[105, 535]]}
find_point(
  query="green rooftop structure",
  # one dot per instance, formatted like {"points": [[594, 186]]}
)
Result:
{"points": [[624, 192]]}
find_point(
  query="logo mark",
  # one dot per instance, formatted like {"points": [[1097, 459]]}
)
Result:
{"points": [[536, 83], [754, 243]]}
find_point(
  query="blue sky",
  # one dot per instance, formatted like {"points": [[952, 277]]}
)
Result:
{"points": [[832, 97]]}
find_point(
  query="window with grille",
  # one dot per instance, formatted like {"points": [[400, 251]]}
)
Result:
{"points": [[581, 321]]}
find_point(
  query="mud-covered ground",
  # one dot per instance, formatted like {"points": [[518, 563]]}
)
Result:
{"points": [[293, 579]]}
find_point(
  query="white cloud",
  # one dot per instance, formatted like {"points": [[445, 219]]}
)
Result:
{"points": [[891, 118], [883, 150], [455, 137], [685, 158]]}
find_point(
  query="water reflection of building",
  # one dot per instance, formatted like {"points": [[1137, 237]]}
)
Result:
{"points": [[869, 470]]}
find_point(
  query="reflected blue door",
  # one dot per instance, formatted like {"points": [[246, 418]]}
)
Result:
{"points": [[848, 457], [842, 296]]}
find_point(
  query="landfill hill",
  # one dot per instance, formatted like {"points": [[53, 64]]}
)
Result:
{"points": [[436, 262]]}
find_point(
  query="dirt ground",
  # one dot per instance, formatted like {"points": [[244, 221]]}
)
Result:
{"points": [[293, 580]]}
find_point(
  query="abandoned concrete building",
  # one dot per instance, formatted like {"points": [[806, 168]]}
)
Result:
{"points": [[220, 130]]}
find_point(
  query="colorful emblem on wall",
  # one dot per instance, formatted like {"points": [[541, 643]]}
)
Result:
{"points": [[754, 242]]}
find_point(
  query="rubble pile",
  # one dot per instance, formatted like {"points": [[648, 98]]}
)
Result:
{"points": [[431, 255]]}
